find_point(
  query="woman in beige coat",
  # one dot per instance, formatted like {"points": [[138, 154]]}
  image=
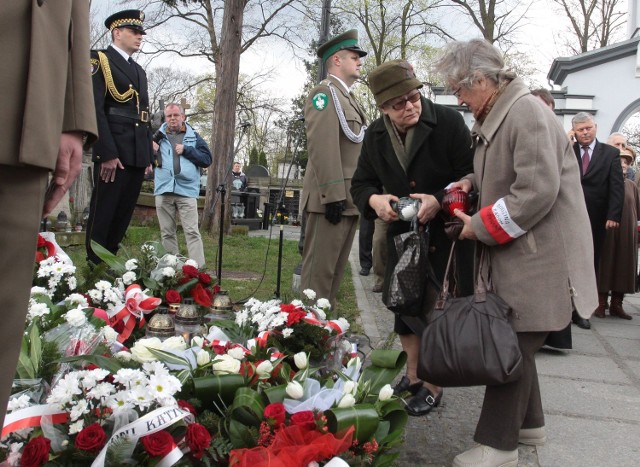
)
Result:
{"points": [[533, 221]]}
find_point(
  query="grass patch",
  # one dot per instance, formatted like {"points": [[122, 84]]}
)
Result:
{"points": [[249, 266]]}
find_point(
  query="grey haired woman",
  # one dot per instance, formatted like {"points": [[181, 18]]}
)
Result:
{"points": [[533, 222]]}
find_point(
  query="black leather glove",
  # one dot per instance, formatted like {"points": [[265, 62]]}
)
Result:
{"points": [[333, 211]]}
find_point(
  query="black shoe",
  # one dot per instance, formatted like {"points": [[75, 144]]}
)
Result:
{"points": [[404, 385], [580, 321], [364, 271], [377, 288], [423, 402]]}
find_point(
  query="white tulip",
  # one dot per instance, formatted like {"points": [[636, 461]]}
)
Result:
{"points": [[203, 357], [294, 390], [300, 359], [385, 393], [350, 387], [264, 369], [197, 341], [347, 401], [225, 364]]}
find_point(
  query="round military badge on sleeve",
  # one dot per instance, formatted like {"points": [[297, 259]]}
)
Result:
{"points": [[320, 101]]}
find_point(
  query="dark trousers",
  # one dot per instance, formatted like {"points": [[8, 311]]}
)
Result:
{"points": [[111, 208], [365, 242], [509, 407]]}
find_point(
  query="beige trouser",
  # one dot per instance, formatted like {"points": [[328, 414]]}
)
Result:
{"points": [[187, 208], [379, 251], [22, 196], [326, 253]]}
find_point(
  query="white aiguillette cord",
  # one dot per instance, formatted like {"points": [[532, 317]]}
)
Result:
{"points": [[351, 136]]}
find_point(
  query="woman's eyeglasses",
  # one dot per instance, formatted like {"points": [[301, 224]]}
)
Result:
{"points": [[402, 103]]}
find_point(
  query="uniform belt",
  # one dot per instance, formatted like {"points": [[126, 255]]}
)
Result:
{"points": [[143, 116]]}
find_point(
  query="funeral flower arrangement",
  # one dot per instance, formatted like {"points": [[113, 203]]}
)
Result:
{"points": [[276, 384]]}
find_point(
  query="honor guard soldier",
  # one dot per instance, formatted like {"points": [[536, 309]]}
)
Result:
{"points": [[123, 152], [335, 126]]}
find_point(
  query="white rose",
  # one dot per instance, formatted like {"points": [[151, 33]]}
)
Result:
{"points": [[294, 390], [347, 401], [140, 350], [264, 369], [309, 293], [168, 272], [174, 343], [131, 264], [236, 353], [385, 393], [300, 359], [225, 364], [203, 357]]}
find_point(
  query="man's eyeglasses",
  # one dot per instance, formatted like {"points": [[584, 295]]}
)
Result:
{"points": [[456, 93], [402, 103]]}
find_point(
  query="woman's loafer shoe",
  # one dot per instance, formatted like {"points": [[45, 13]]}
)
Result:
{"points": [[532, 436], [486, 456], [405, 385], [423, 402]]}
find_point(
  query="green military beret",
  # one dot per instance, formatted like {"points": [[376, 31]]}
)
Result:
{"points": [[345, 41], [392, 79]]}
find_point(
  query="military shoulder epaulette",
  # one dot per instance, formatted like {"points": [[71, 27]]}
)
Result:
{"points": [[111, 86]]}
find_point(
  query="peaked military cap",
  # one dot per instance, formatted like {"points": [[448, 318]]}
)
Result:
{"points": [[392, 79], [131, 19], [345, 41]]}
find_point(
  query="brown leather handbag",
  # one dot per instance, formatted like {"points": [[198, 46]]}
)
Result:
{"points": [[469, 340]]}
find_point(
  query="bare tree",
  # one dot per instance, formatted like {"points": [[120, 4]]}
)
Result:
{"points": [[592, 23], [497, 20]]}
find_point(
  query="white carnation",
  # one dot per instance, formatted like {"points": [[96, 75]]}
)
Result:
{"points": [[131, 264], [110, 334], [324, 304], [168, 272], [191, 262], [76, 317], [309, 293], [286, 332], [129, 277]]}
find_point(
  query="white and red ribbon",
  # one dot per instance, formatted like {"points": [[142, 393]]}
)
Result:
{"points": [[136, 305], [30, 417]]}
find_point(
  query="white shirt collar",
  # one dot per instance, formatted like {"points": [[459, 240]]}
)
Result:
{"points": [[591, 147], [344, 85], [124, 54]]}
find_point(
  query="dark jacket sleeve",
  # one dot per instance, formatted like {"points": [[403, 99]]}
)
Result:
{"points": [[105, 148], [616, 187], [365, 182], [198, 154]]}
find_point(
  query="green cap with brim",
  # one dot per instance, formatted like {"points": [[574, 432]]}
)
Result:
{"points": [[345, 41], [392, 79]]}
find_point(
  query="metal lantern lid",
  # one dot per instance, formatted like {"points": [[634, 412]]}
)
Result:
{"points": [[160, 325], [187, 313], [222, 302]]}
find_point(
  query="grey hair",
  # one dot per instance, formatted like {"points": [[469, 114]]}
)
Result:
{"points": [[582, 117], [175, 104], [617, 133], [462, 63]]}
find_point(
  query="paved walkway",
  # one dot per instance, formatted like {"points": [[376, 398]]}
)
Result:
{"points": [[591, 394]]}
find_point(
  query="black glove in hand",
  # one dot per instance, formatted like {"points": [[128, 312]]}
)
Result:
{"points": [[333, 211]]}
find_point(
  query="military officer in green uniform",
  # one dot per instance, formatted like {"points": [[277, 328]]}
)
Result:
{"points": [[123, 152], [335, 126]]}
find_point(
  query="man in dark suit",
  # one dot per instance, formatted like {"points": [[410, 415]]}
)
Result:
{"points": [[123, 152], [602, 183], [47, 112]]}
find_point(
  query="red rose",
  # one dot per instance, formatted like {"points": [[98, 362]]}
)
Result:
{"points": [[198, 439], [275, 412], [295, 317], [216, 288], [41, 241], [201, 295], [204, 278], [92, 438], [287, 307], [158, 444], [36, 452], [173, 296], [184, 405], [304, 419], [190, 271], [39, 257]]}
